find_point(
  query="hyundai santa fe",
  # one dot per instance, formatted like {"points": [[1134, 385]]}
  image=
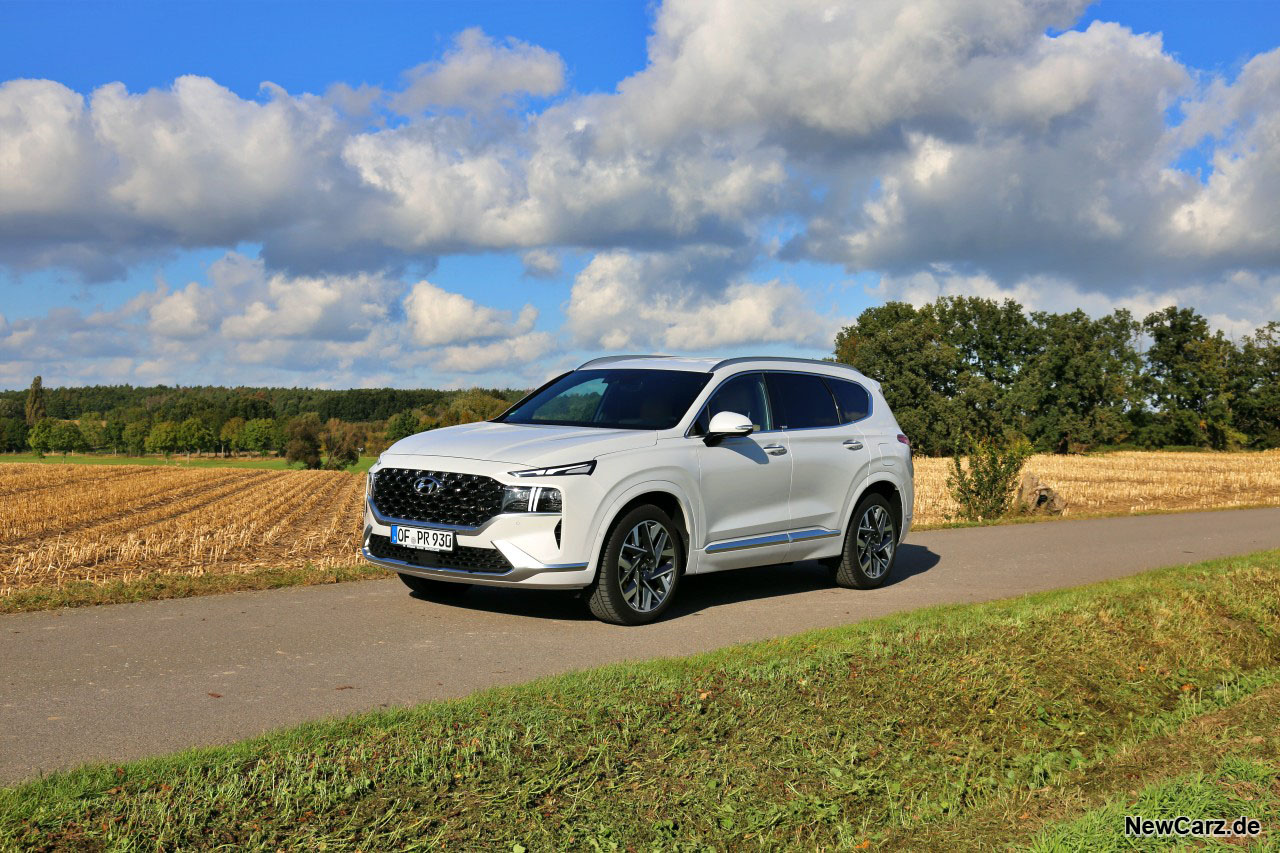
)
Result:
{"points": [[623, 476]]}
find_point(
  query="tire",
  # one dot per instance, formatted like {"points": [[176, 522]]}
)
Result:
{"points": [[640, 568], [434, 590], [870, 545]]}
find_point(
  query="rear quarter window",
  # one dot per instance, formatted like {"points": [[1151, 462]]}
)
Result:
{"points": [[853, 401]]}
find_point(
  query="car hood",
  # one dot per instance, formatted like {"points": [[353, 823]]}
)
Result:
{"points": [[522, 444]]}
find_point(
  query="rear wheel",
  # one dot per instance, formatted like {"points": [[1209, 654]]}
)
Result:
{"points": [[870, 546], [433, 589], [639, 570]]}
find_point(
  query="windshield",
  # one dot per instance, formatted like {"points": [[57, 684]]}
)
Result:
{"points": [[611, 399]]}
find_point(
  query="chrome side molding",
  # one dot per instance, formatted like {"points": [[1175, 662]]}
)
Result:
{"points": [[771, 539]]}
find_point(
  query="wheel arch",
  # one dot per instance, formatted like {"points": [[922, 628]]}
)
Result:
{"points": [[884, 486], [665, 495]]}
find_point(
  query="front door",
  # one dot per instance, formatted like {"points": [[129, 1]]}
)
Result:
{"points": [[745, 480]]}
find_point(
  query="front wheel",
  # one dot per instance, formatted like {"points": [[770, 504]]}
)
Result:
{"points": [[640, 568], [870, 546]]}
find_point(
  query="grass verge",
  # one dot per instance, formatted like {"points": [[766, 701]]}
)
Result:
{"points": [[877, 733], [159, 586]]}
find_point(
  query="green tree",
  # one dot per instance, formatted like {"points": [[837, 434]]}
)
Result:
{"points": [[94, 430], [1079, 386], [302, 440], [194, 436], [471, 406], [1255, 387], [65, 437], [1187, 381], [113, 433], [401, 426], [231, 436], [13, 434], [260, 435], [35, 402], [40, 436], [134, 437], [163, 438]]}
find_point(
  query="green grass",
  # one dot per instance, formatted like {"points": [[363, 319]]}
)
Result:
{"points": [[160, 586], [177, 461], [888, 733], [1238, 786]]}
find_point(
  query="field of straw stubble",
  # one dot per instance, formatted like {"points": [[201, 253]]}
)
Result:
{"points": [[120, 522]]}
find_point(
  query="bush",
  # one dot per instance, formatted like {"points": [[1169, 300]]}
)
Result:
{"points": [[984, 487]]}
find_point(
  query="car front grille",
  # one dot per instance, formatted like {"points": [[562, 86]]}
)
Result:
{"points": [[462, 557], [465, 500]]}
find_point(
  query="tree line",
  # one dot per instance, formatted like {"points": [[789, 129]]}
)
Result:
{"points": [[956, 371], [302, 424], [967, 369]]}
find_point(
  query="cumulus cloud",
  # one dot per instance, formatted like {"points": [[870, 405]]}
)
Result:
{"points": [[438, 317], [540, 263], [480, 73], [622, 300], [246, 323]]}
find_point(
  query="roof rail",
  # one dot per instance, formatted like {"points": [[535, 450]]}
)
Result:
{"points": [[741, 359], [607, 359]]}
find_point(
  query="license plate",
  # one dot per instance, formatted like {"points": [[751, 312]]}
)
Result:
{"points": [[422, 538]]}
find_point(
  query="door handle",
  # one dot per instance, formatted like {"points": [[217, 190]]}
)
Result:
{"points": [[853, 444], [775, 449]]}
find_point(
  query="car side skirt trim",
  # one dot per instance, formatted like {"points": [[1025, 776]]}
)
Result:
{"points": [[772, 539]]}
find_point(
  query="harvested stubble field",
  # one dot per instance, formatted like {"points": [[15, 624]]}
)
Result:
{"points": [[1127, 483], [110, 523], [102, 523]]}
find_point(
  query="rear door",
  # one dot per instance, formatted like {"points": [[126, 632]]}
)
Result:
{"points": [[828, 453]]}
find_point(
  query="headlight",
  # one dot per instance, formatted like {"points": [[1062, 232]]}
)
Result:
{"points": [[531, 499], [557, 470]]}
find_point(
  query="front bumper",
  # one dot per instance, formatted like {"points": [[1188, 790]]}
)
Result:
{"points": [[539, 555]]}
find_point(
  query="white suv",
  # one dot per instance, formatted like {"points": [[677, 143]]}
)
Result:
{"points": [[622, 476]]}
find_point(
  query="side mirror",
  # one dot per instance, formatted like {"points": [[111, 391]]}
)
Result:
{"points": [[727, 425]]}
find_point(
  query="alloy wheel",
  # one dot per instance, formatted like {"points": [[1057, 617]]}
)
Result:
{"points": [[647, 566], [875, 541]]}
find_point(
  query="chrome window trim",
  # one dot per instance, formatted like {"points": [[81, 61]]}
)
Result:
{"points": [[771, 539], [688, 433], [768, 397]]}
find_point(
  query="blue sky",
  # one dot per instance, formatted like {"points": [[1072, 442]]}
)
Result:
{"points": [[702, 214]]}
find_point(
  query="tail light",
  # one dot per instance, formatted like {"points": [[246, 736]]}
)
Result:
{"points": [[902, 438]]}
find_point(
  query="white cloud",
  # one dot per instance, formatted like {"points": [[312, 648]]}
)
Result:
{"points": [[540, 263], [479, 73], [438, 317], [518, 351], [625, 301]]}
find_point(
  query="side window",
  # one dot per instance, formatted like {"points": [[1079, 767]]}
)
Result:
{"points": [[744, 395], [851, 398], [801, 401]]}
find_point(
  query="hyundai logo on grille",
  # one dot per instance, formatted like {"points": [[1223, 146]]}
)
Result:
{"points": [[427, 486]]}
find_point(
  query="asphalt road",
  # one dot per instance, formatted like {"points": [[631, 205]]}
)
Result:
{"points": [[125, 681]]}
